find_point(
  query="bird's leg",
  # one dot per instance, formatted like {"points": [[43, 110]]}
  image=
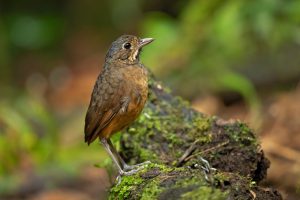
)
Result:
{"points": [[116, 154], [113, 153], [123, 168]]}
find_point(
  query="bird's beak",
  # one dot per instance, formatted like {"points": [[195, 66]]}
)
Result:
{"points": [[145, 41]]}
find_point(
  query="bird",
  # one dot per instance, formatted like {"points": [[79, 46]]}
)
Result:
{"points": [[118, 97]]}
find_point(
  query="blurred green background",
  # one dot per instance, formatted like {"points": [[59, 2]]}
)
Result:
{"points": [[52, 51]]}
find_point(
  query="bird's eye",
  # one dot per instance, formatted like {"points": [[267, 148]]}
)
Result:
{"points": [[127, 45]]}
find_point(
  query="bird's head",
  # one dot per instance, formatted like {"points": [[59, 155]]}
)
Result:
{"points": [[127, 49]]}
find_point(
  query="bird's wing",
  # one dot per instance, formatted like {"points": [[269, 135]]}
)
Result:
{"points": [[106, 102]]}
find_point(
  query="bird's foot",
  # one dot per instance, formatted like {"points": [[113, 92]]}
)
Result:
{"points": [[128, 168], [206, 166], [207, 169], [132, 171]]}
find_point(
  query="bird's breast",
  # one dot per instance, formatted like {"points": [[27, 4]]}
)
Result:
{"points": [[136, 80]]}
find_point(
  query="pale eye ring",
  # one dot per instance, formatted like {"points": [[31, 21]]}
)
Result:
{"points": [[127, 45]]}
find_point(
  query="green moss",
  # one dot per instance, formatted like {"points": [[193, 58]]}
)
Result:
{"points": [[202, 123], [132, 183], [181, 101], [162, 168], [242, 134], [185, 182], [146, 154], [167, 122], [128, 183], [205, 193], [173, 139], [220, 178], [200, 189], [157, 181], [151, 191]]}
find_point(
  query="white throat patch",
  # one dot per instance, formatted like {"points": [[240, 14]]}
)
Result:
{"points": [[134, 55]]}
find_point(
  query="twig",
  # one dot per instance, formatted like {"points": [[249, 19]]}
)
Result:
{"points": [[187, 153], [206, 150]]}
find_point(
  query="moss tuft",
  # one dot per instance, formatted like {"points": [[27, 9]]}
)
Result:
{"points": [[242, 134], [151, 191], [128, 183]]}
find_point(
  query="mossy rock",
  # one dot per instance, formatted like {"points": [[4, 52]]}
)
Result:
{"points": [[175, 136]]}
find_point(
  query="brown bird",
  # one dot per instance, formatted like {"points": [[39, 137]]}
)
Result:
{"points": [[119, 96]]}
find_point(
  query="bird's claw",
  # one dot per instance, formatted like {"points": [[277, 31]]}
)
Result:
{"points": [[131, 167], [130, 170], [207, 169]]}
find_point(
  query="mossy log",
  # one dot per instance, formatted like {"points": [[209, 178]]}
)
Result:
{"points": [[174, 137]]}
